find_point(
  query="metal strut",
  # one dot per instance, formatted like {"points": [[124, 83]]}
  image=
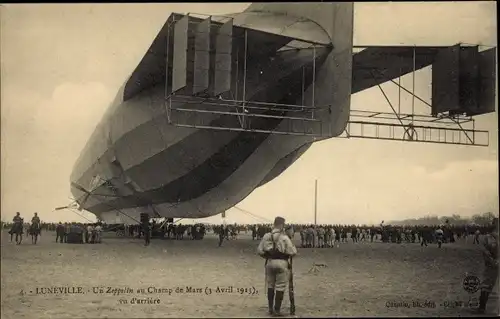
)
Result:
{"points": [[413, 88], [245, 79], [387, 99], [240, 117], [313, 80]]}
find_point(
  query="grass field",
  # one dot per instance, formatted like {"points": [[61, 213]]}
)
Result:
{"points": [[359, 280]]}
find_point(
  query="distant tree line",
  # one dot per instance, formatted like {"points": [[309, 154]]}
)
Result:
{"points": [[479, 219]]}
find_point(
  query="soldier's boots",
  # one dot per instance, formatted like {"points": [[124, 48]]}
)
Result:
{"points": [[277, 303], [483, 300], [270, 300]]}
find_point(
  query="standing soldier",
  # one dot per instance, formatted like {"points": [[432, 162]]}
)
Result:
{"points": [[276, 248], [424, 236], [98, 233], [337, 236], [66, 232], [439, 236], [146, 228], [321, 237], [476, 236], [354, 234], [60, 232], [302, 236], [197, 232], [221, 234], [310, 237], [490, 275], [290, 232], [344, 234], [329, 236], [363, 234], [88, 233], [314, 236], [226, 232]]}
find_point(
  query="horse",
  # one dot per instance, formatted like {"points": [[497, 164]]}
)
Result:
{"points": [[17, 229], [34, 231]]}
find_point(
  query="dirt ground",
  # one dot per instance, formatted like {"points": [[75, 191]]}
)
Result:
{"points": [[360, 279]]}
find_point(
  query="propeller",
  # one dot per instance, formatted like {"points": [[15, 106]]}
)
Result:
{"points": [[84, 198], [73, 207]]}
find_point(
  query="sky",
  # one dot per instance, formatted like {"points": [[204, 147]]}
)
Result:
{"points": [[61, 66]]}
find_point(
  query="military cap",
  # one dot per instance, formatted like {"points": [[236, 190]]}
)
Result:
{"points": [[279, 221]]}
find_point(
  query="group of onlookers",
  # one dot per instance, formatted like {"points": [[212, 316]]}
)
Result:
{"points": [[77, 233]]}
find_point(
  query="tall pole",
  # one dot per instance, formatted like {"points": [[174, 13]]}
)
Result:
{"points": [[315, 201]]}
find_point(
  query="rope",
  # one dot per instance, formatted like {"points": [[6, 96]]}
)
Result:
{"points": [[70, 209], [117, 210], [163, 223], [253, 215], [73, 211], [178, 220]]}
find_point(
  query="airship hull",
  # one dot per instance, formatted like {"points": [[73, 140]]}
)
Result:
{"points": [[138, 161], [176, 171]]}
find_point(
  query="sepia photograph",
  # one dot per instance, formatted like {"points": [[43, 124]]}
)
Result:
{"points": [[249, 160]]}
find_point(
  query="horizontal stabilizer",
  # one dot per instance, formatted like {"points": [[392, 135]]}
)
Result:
{"points": [[377, 65]]}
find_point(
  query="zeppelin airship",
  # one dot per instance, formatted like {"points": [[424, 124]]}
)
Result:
{"points": [[220, 105]]}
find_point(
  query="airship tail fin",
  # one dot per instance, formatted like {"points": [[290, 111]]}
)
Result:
{"points": [[336, 18], [333, 80]]}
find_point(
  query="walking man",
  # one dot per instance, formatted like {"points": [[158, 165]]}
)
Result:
{"points": [[277, 248]]}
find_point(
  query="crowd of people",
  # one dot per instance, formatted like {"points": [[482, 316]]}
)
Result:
{"points": [[78, 233], [277, 245], [321, 236], [75, 232], [311, 236], [162, 230], [277, 248]]}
